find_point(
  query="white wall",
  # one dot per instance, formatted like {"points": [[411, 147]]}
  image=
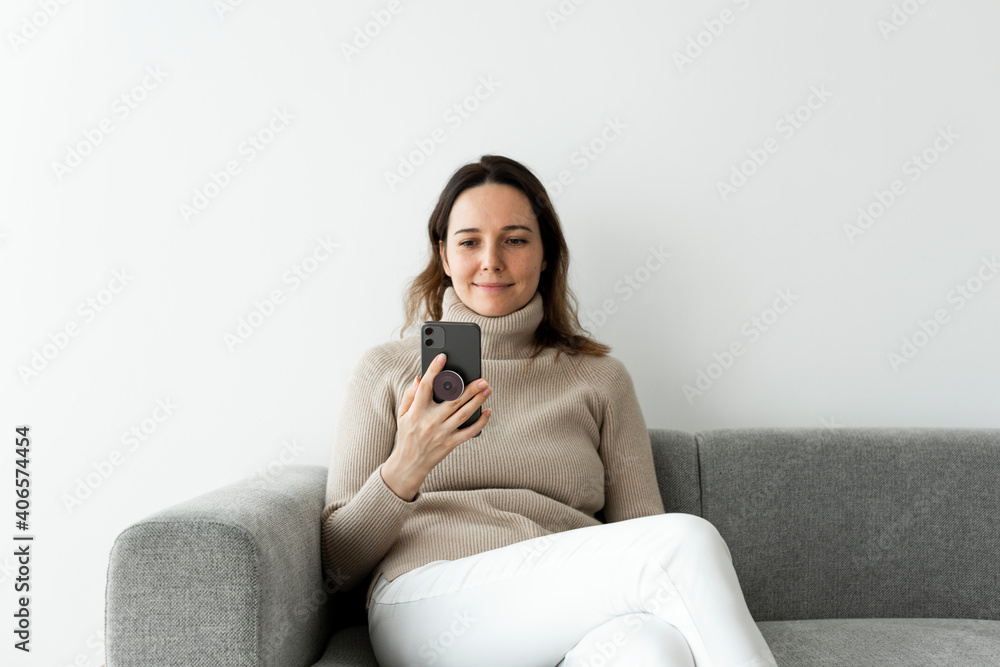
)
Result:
{"points": [[678, 129]]}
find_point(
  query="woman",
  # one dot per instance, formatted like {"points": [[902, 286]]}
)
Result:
{"points": [[486, 551]]}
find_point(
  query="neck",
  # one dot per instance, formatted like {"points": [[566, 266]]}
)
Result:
{"points": [[508, 336]]}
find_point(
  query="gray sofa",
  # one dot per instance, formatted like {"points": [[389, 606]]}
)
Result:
{"points": [[853, 546]]}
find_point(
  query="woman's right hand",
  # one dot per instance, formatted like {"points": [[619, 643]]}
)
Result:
{"points": [[426, 431]]}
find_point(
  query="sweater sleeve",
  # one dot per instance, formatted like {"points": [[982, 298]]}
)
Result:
{"points": [[362, 516], [630, 486]]}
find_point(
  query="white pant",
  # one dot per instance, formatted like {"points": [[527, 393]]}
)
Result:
{"points": [[656, 590]]}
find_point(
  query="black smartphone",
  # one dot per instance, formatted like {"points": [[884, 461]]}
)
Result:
{"points": [[461, 342]]}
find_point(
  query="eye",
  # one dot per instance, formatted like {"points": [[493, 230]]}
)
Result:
{"points": [[519, 242]]}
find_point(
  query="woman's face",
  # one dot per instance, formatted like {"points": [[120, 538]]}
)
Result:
{"points": [[493, 238]]}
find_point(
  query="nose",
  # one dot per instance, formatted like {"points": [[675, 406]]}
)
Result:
{"points": [[491, 258]]}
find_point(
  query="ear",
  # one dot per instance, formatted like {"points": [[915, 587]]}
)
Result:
{"points": [[444, 259]]}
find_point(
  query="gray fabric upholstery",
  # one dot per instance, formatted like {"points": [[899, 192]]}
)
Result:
{"points": [[675, 457], [350, 647], [232, 577], [885, 642], [882, 541], [858, 522], [891, 642]]}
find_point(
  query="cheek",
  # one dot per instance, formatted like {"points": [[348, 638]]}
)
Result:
{"points": [[463, 263]]}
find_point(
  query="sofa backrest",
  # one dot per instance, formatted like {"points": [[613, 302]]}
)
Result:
{"points": [[847, 522]]}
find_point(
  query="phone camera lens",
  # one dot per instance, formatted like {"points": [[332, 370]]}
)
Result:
{"points": [[428, 331], [428, 342]]}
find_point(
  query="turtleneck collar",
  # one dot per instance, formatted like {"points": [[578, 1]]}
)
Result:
{"points": [[504, 336]]}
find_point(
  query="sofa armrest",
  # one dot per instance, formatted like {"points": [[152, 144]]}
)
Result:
{"points": [[231, 577]]}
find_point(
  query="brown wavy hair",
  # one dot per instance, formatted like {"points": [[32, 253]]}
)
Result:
{"points": [[560, 326]]}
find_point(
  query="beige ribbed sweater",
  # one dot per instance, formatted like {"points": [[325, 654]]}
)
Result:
{"points": [[565, 439]]}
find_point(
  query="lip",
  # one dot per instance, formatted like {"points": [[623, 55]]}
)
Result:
{"points": [[492, 287]]}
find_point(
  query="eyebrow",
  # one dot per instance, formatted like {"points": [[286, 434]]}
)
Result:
{"points": [[504, 229]]}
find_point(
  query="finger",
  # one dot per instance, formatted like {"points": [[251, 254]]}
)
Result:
{"points": [[470, 432], [408, 395], [471, 390], [459, 416]]}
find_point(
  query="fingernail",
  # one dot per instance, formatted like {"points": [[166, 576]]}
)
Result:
{"points": [[440, 358]]}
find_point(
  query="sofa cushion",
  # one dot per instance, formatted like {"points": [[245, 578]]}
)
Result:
{"points": [[675, 458], [858, 642], [857, 522], [883, 642], [349, 647]]}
